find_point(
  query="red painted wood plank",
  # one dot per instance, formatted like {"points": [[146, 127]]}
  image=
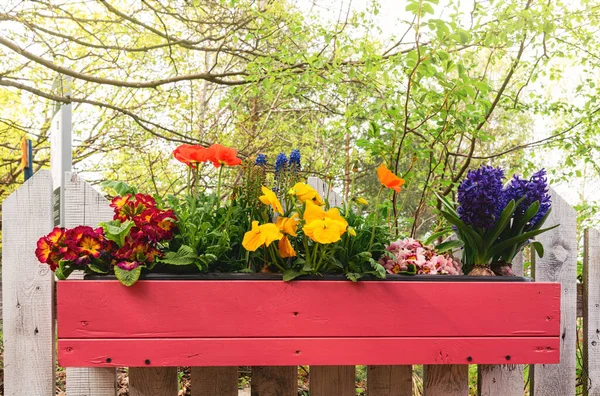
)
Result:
{"points": [[305, 351], [151, 309]]}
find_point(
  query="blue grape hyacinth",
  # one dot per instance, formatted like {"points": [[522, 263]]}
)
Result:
{"points": [[480, 197], [280, 164], [295, 160], [261, 160]]}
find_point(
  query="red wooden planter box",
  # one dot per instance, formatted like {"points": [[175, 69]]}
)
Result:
{"points": [[322, 322]]}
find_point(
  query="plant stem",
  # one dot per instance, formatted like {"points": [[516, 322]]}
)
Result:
{"points": [[375, 219], [219, 186]]}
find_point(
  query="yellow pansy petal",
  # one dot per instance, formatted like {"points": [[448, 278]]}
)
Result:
{"points": [[270, 232], [288, 225], [253, 239], [269, 198], [313, 212], [285, 248]]}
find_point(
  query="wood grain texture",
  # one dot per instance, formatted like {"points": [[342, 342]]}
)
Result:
{"points": [[446, 380], [389, 380], [86, 309], [332, 380], [591, 313], [266, 351], [502, 379], [27, 290], [152, 381], [214, 381], [274, 381], [559, 264], [85, 206], [322, 188]]}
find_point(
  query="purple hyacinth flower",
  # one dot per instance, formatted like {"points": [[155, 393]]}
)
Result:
{"points": [[534, 189], [480, 197]]}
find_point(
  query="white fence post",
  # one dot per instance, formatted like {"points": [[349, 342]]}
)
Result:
{"points": [[559, 264], [591, 313], [27, 291], [503, 379], [85, 206]]}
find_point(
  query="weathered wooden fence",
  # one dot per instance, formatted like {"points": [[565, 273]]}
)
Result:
{"points": [[29, 338]]}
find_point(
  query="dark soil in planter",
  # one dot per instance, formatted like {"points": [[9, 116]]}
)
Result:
{"points": [[336, 277]]}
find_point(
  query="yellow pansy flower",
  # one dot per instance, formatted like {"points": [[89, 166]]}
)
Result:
{"points": [[288, 225], [261, 235], [324, 231], [306, 193], [269, 198], [314, 212], [285, 248]]}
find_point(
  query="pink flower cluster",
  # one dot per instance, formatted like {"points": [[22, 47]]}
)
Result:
{"points": [[408, 251]]}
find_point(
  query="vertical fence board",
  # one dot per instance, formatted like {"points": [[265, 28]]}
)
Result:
{"points": [[591, 313], [274, 381], [85, 206], [446, 380], [332, 380], [214, 381], [559, 264], [323, 189], [503, 379], [27, 290], [389, 380], [152, 381]]}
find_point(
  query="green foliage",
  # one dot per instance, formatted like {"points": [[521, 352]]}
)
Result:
{"points": [[209, 234], [117, 231], [501, 242], [128, 278]]}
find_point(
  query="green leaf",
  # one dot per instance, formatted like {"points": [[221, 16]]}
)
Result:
{"points": [[449, 246], [117, 231], [539, 248], [477, 240], [435, 236], [121, 188], [493, 234], [205, 260], [498, 248], [531, 211], [128, 278], [290, 274], [353, 276], [64, 270], [185, 255], [98, 268], [412, 270], [447, 204]]}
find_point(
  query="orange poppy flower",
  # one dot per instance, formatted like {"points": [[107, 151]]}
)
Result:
{"points": [[221, 155], [191, 154], [388, 179]]}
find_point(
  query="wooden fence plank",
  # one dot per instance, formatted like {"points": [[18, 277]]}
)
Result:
{"points": [[389, 380], [332, 380], [214, 381], [591, 313], [446, 380], [502, 379], [152, 381], [85, 206], [28, 290], [559, 264], [274, 381]]}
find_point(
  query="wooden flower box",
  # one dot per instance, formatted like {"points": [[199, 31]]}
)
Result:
{"points": [[229, 322]]}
